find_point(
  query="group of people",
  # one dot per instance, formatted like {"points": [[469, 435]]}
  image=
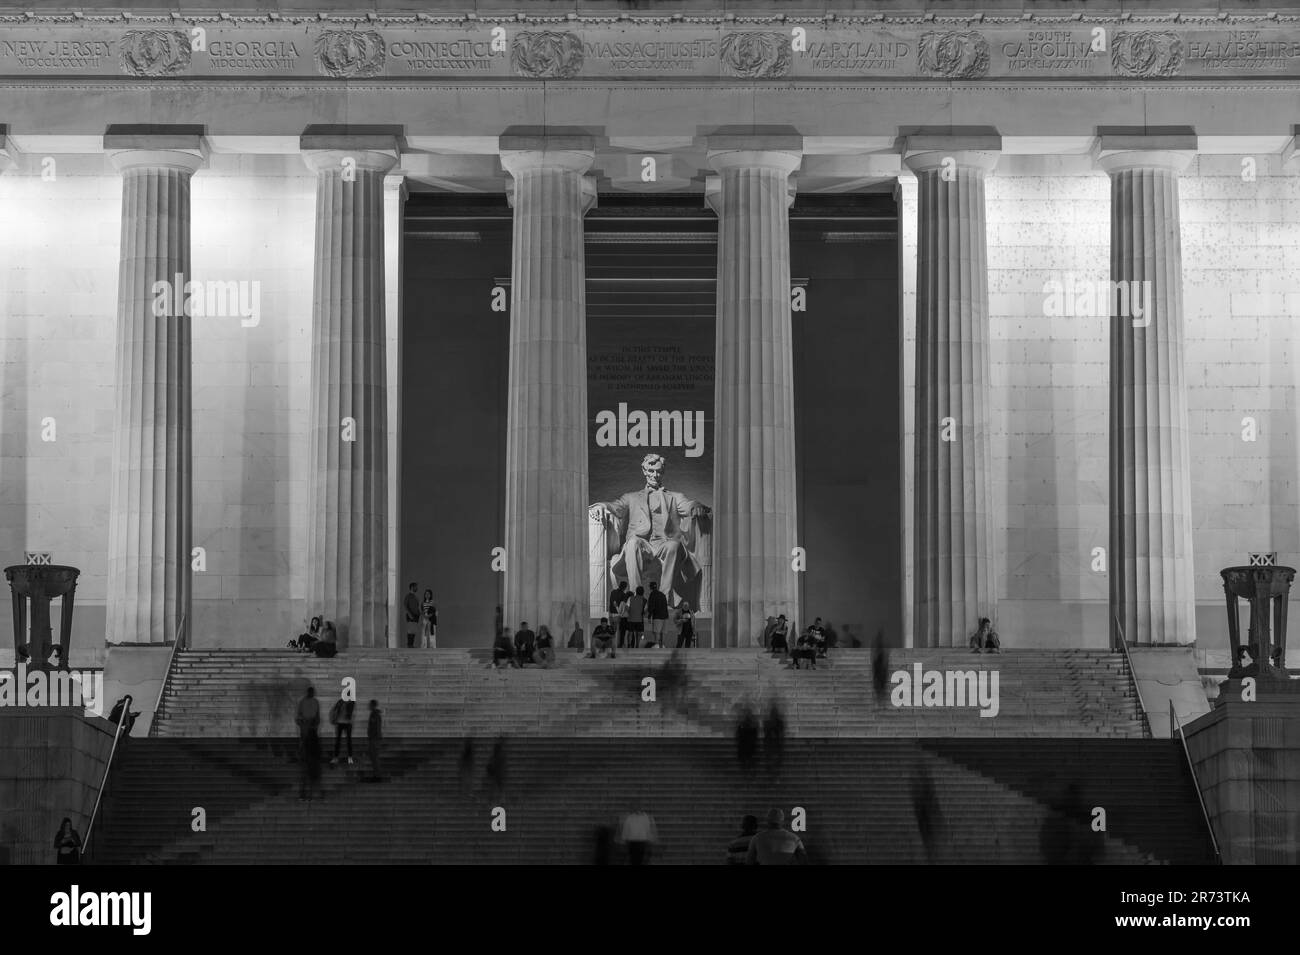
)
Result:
{"points": [[341, 717], [774, 844], [421, 613], [809, 646], [643, 619], [321, 639], [527, 648]]}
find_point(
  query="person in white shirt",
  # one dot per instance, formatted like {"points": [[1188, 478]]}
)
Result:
{"points": [[639, 834]]}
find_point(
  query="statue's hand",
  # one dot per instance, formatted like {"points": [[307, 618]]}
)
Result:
{"points": [[599, 512], [700, 510]]}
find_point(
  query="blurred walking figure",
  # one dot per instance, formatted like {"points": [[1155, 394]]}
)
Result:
{"points": [[496, 768], [880, 671], [929, 818], [774, 738], [374, 740], [738, 848], [411, 604], [639, 835], [308, 720], [746, 737], [776, 845]]}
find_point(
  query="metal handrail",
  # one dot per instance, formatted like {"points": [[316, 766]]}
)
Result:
{"points": [[1174, 724], [108, 766], [167, 676], [1137, 687]]}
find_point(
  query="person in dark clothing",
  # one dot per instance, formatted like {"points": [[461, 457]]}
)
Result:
{"points": [[746, 737], [341, 717], [738, 848], [496, 768], [686, 626], [308, 745], [1246, 665], [525, 641], [880, 671], [411, 604], [636, 605], [577, 639], [780, 636], [428, 620], [328, 644], [602, 639], [503, 651], [805, 649], [831, 637], [616, 601], [67, 844], [307, 641], [926, 806], [121, 712], [657, 611], [375, 740]]}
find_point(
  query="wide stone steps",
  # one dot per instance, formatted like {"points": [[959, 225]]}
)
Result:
{"points": [[451, 692], [434, 808]]}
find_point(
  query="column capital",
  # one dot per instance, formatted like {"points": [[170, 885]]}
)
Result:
{"points": [[926, 153], [176, 147], [781, 152], [367, 160], [395, 182], [1119, 150], [567, 153]]}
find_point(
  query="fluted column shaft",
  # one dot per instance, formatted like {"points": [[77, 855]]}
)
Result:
{"points": [[546, 534], [151, 504], [347, 494], [1151, 573], [755, 525], [954, 571]]}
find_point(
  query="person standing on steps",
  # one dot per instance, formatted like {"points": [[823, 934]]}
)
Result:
{"points": [[657, 608], [618, 610], [341, 717], [374, 740], [411, 604], [685, 626], [429, 620], [636, 605]]}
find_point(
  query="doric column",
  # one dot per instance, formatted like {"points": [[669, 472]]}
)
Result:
{"points": [[151, 504], [1151, 589], [347, 495], [954, 570], [754, 517], [546, 443]]}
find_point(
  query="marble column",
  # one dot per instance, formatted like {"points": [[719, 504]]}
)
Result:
{"points": [[151, 498], [755, 528], [546, 518], [347, 495], [1151, 583], [954, 569]]}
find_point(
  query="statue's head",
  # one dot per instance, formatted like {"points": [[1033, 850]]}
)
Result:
{"points": [[652, 466]]}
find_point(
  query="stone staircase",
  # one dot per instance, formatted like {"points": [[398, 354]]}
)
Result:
{"points": [[437, 693], [994, 798]]}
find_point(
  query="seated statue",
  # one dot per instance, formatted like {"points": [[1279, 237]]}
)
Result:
{"points": [[653, 535]]}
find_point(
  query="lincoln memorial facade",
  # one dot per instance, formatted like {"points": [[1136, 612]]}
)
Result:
{"points": [[924, 316]]}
